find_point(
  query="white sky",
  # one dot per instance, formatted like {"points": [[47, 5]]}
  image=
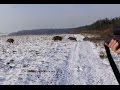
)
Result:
{"points": [[15, 17]]}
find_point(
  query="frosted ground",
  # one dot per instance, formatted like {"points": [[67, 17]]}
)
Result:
{"points": [[38, 60]]}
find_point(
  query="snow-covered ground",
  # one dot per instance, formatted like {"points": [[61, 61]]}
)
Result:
{"points": [[38, 60], [3, 34]]}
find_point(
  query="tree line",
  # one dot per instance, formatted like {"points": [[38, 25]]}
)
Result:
{"points": [[102, 24]]}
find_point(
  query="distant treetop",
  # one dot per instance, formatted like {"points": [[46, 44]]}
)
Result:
{"points": [[102, 24]]}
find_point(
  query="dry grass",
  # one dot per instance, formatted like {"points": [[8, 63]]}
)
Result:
{"points": [[97, 32]]}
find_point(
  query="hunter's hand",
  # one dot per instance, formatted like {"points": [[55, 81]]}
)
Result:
{"points": [[114, 46]]}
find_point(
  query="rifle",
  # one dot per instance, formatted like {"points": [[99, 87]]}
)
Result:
{"points": [[113, 65], [111, 61], [116, 36]]}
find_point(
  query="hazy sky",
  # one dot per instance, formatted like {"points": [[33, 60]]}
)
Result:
{"points": [[15, 17]]}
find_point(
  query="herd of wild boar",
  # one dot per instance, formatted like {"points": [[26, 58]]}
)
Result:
{"points": [[55, 38]]}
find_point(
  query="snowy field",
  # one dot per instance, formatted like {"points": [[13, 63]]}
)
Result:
{"points": [[38, 60]]}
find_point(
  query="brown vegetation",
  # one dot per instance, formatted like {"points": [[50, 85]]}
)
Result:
{"points": [[97, 32]]}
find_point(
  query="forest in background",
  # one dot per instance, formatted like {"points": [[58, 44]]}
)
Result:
{"points": [[100, 27]]}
